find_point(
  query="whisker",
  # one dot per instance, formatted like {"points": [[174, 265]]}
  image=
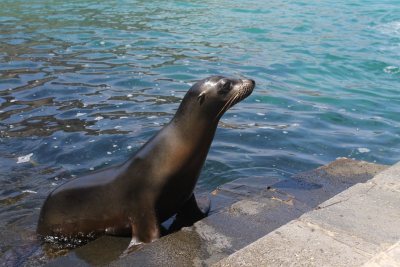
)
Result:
{"points": [[230, 104], [224, 107], [234, 100], [227, 105]]}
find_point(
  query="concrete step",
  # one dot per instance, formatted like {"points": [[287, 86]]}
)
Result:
{"points": [[388, 258], [359, 226]]}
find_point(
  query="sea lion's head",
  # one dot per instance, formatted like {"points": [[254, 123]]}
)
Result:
{"points": [[215, 95]]}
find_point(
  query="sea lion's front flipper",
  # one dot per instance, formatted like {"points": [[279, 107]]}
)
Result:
{"points": [[144, 223], [145, 229], [191, 212]]}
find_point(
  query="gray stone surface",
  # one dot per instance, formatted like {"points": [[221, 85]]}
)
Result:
{"points": [[297, 244], [243, 211], [365, 210], [358, 226], [390, 178], [387, 258]]}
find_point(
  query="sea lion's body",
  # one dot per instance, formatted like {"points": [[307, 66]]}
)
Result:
{"points": [[133, 198]]}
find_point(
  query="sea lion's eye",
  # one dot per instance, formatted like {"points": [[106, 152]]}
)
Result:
{"points": [[225, 87]]}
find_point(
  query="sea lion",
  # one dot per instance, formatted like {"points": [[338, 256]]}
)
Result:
{"points": [[135, 197]]}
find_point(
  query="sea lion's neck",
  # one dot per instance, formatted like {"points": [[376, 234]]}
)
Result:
{"points": [[194, 126]]}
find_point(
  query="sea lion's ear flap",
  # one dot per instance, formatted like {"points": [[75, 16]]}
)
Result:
{"points": [[201, 97]]}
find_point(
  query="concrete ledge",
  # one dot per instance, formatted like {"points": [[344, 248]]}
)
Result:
{"points": [[347, 230], [387, 258], [296, 244]]}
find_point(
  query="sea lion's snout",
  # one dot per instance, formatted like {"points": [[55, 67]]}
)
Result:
{"points": [[249, 81], [245, 88], [253, 83]]}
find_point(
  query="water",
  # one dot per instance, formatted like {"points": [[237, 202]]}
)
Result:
{"points": [[83, 84]]}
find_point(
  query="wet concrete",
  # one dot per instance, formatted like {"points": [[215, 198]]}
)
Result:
{"points": [[242, 212]]}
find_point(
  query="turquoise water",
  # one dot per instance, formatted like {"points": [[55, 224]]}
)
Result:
{"points": [[83, 84]]}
